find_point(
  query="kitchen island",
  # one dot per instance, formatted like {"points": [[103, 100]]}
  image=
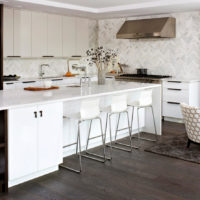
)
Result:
{"points": [[37, 131]]}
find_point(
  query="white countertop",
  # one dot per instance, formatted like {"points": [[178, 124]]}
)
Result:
{"points": [[20, 98]]}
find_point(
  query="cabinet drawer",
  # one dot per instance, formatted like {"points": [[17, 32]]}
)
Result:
{"points": [[9, 85], [172, 109], [175, 85], [176, 95]]}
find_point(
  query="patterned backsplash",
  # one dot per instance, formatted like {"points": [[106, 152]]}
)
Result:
{"points": [[179, 57]]}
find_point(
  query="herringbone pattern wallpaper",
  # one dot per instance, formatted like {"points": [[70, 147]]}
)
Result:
{"points": [[179, 57]]}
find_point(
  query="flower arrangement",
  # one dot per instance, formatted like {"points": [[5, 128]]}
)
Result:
{"points": [[101, 56]]}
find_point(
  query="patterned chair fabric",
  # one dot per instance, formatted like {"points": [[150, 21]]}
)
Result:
{"points": [[191, 117]]}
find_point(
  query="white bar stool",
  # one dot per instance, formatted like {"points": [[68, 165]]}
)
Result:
{"points": [[89, 111], [144, 101], [117, 107]]}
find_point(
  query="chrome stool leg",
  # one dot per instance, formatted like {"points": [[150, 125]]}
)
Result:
{"points": [[93, 156], [78, 144], [143, 138], [117, 130], [154, 122]]}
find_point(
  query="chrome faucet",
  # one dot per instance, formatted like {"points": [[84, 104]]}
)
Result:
{"points": [[42, 71]]}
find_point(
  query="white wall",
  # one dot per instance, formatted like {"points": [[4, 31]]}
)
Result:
{"points": [[178, 57]]}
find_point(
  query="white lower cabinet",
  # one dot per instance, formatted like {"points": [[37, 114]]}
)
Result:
{"points": [[177, 92], [22, 139], [50, 126], [35, 139]]}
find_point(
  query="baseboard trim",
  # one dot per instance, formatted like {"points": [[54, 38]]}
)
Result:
{"points": [[12, 183]]}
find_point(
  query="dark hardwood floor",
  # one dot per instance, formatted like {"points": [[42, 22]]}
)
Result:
{"points": [[130, 176]]}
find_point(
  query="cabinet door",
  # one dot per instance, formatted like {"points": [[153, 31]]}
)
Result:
{"points": [[22, 139], [82, 36], [22, 33], [39, 34], [54, 35], [8, 32], [50, 135], [69, 36]]}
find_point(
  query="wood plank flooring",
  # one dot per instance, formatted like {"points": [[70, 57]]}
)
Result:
{"points": [[130, 176]]}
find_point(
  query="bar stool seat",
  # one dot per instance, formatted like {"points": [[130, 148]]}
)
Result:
{"points": [[89, 111], [138, 104]]}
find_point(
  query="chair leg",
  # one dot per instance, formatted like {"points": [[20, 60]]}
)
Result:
{"points": [[188, 143], [94, 156], [78, 144], [132, 119], [138, 122], [110, 131], [103, 139], [143, 138], [129, 131], [117, 127], [154, 123], [88, 138], [123, 144]]}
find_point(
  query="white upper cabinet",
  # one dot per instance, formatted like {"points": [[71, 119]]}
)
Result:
{"points": [[54, 35], [69, 36], [36, 34], [22, 33], [39, 34], [82, 36], [8, 32]]}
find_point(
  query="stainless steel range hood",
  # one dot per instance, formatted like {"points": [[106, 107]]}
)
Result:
{"points": [[148, 28]]}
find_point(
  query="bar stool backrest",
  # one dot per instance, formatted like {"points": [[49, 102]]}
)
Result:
{"points": [[89, 109], [145, 98], [119, 103]]}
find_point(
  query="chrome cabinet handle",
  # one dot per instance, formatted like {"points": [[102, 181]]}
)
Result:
{"points": [[57, 79], [174, 81], [174, 89], [35, 114], [169, 102], [25, 82], [41, 113]]}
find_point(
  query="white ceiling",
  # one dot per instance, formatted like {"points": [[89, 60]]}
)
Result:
{"points": [[101, 3], [107, 8]]}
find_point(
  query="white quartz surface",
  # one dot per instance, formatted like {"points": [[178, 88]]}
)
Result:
{"points": [[21, 98]]}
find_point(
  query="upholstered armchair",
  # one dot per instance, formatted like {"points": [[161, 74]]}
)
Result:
{"points": [[191, 117]]}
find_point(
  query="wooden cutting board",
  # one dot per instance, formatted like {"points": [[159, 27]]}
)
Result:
{"points": [[40, 88]]}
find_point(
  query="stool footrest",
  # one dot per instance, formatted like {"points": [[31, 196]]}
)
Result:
{"points": [[69, 145], [147, 139], [123, 149], [93, 154], [122, 129], [95, 137], [126, 145], [70, 169], [92, 158]]}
